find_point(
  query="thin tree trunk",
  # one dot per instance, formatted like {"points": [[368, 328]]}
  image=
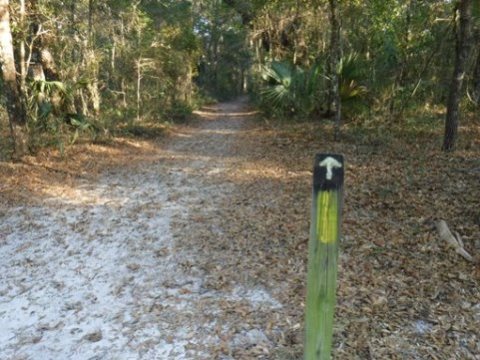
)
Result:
{"points": [[22, 53], [90, 21], [111, 76], [94, 95], [123, 90], [73, 29], [335, 54], [79, 102], [463, 45], [139, 82], [14, 104], [476, 72]]}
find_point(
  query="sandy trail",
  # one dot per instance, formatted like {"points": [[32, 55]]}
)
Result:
{"points": [[103, 271]]}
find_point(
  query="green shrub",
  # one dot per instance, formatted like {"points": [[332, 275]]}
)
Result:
{"points": [[179, 111]]}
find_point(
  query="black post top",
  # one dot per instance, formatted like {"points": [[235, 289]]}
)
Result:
{"points": [[328, 172]]}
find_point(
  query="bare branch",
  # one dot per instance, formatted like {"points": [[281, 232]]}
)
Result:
{"points": [[455, 242]]}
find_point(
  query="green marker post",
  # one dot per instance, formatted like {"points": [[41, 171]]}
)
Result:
{"points": [[323, 255]]}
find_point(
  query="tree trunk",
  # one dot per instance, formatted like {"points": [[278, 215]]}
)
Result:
{"points": [[476, 72], [22, 54], [139, 83], [90, 21], [123, 91], [463, 45], [14, 104], [335, 54]]}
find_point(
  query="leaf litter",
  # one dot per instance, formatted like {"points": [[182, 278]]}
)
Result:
{"points": [[194, 247]]}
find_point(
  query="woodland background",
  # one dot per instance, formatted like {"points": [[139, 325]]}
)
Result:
{"points": [[100, 68]]}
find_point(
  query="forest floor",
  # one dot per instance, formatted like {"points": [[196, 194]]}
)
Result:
{"points": [[194, 246]]}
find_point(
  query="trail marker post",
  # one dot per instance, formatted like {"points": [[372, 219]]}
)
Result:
{"points": [[328, 176]]}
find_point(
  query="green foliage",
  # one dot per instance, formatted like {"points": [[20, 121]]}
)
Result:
{"points": [[49, 119], [290, 90], [47, 97], [106, 64], [401, 52], [351, 73], [353, 92], [179, 112], [282, 82], [122, 62]]}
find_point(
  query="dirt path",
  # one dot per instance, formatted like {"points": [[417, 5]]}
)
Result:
{"points": [[195, 248], [116, 268]]}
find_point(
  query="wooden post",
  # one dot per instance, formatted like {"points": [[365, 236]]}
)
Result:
{"points": [[323, 255]]}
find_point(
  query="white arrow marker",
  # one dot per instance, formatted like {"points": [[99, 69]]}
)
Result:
{"points": [[330, 163]]}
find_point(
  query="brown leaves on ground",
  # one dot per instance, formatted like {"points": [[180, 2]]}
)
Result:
{"points": [[49, 173], [402, 293]]}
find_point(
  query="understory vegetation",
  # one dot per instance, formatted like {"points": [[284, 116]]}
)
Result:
{"points": [[120, 67], [97, 69]]}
